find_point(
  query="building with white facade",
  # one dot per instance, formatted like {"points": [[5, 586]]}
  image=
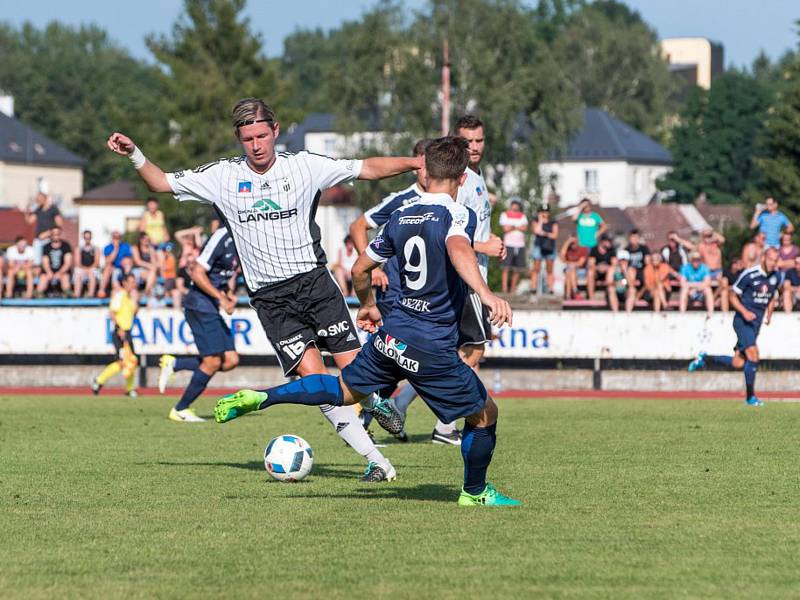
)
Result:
{"points": [[609, 162], [112, 207]]}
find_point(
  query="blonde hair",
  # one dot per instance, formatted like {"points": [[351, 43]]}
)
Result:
{"points": [[252, 110]]}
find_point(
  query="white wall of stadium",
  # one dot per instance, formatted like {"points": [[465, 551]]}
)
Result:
{"points": [[535, 334]]}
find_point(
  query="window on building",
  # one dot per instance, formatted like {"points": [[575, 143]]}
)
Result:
{"points": [[330, 145], [590, 180]]}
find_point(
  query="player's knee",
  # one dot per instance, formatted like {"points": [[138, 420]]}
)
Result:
{"points": [[231, 361], [212, 363]]}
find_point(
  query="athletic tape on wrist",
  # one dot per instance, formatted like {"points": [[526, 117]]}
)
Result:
{"points": [[137, 158]]}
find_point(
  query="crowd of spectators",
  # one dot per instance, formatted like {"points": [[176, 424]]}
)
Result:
{"points": [[51, 267]]}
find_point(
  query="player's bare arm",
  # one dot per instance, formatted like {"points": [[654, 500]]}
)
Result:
{"points": [[770, 309], [466, 263], [199, 276], [150, 173], [737, 305], [358, 231], [492, 247], [368, 317], [380, 167]]}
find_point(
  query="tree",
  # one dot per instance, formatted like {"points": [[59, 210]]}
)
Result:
{"points": [[612, 59], [715, 144], [75, 86]]}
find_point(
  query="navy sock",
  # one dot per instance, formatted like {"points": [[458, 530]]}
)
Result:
{"points": [[189, 363], [197, 384], [725, 361], [477, 446], [312, 390], [750, 369]]}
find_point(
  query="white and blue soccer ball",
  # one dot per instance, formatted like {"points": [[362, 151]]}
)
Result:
{"points": [[288, 458]]}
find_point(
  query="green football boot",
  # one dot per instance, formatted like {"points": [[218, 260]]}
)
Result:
{"points": [[235, 405], [488, 497]]}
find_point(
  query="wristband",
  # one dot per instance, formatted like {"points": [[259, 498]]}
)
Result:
{"points": [[137, 158]]}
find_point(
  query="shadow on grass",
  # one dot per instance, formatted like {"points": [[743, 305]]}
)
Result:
{"points": [[428, 492], [339, 470]]}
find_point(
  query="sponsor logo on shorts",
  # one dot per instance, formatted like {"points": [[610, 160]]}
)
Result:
{"points": [[416, 304], [394, 348], [293, 347], [417, 219], [334, 329]]}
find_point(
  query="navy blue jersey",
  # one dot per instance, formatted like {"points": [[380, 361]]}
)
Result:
{"points": [[428, 308], [218, 257], [377, 216], [756, 289]]}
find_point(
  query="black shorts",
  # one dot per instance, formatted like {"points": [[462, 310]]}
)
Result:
{"points": [[475, 328], [119, 338], [515, 259], [307, 309]]}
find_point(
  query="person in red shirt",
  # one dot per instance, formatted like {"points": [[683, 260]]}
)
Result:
{"points": [[574, 257]]}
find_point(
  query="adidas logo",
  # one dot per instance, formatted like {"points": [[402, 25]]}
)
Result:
{"points": [[351, 337], [341, 426]]}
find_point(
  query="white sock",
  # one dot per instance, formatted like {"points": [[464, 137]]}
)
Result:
{"points": [[347, 424], [445, 427]]}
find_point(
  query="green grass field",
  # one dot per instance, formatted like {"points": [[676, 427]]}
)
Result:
{"points": [[106, 498]]}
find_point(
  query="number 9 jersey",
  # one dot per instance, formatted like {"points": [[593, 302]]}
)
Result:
{"points": [[427, 312]]}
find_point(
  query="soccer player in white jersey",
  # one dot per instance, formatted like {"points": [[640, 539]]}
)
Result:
{"points": [[268, 201]]}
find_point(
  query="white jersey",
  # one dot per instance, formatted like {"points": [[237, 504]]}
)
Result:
{"points": [[473, 194], [271, 216]]}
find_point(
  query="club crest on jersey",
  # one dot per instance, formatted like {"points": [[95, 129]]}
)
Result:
{"points": [[394, 348], [245, 187], [285, 185], [479, 190], [417, 219]]}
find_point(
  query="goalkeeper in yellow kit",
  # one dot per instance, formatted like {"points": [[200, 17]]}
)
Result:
{"points": [[124, 305]]}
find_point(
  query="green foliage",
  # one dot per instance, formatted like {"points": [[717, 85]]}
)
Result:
{"points": [[714, 145], [75, 86], [611, 58]]}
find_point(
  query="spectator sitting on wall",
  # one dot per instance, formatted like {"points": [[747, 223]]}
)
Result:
{"points": [[114, 253], [20, 258], [753, 250], [791, 286], [621, 282], [545, 234], [345, 259], [87, 267], [574, 256], [787, 252], [154, 224], [169, 271], [676, 254], [601, 258], [710, 250], [657, 281], [56, 264], [696, 284], [145, 262], [44, 218], [771, 222], [639, 254], [589, 225], [514, 224]]}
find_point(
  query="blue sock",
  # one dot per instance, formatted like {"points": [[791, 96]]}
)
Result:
{"points": [[750, 369], [405, 398], [312, 390], [725, 361], [197, 384], [477, 446], [189, 363]]}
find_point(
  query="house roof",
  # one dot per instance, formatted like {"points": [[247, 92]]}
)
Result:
{"points": [[619, 224], [656, 221], [20, 143], [294, 138], [604, 137], [117, 190]]}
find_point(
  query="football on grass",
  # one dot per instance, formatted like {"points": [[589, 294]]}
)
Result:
{"points": [[288, 458]]}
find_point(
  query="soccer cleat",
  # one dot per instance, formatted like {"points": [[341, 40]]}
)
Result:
{"points": [[376, 473], [488, 497], [132, 394], [401, 437], [235, 405], [96, 387], [698, 363], [387, 416], [453, 438], [167, 364], [187, 415], [753, 401]]}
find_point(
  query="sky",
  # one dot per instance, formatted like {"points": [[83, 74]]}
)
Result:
{"points": [[744, 27]]}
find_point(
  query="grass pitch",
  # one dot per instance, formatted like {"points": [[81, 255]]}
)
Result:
{"points": [[104, 497]]}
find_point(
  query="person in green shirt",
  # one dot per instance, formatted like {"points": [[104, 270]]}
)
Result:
{"points": [[589, 225]]}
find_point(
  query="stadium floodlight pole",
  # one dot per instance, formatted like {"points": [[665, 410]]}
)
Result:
{"points": [[445, 89]]}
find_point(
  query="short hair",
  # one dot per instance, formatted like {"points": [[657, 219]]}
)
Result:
{"points": [[446, 158], [468, 122], [18, 239], [633, 231], [151, 199], [516, 201], [85, 231], [54, 227], [123, 277], [421, 146], [348, 238], [252, 110]]}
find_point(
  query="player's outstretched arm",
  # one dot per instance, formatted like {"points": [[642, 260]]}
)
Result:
{"points": [[380, 167], [466, 263], [150, 173]]}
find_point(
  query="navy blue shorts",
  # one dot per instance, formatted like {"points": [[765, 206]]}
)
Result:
{"points": [[211, 334], [746, 332], [447, 385]]}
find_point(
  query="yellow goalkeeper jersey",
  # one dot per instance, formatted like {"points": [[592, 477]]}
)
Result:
{"points": [[124, 309]]}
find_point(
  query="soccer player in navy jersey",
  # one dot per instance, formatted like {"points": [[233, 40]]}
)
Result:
{"points": [[418, 340], [753, 297]]}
